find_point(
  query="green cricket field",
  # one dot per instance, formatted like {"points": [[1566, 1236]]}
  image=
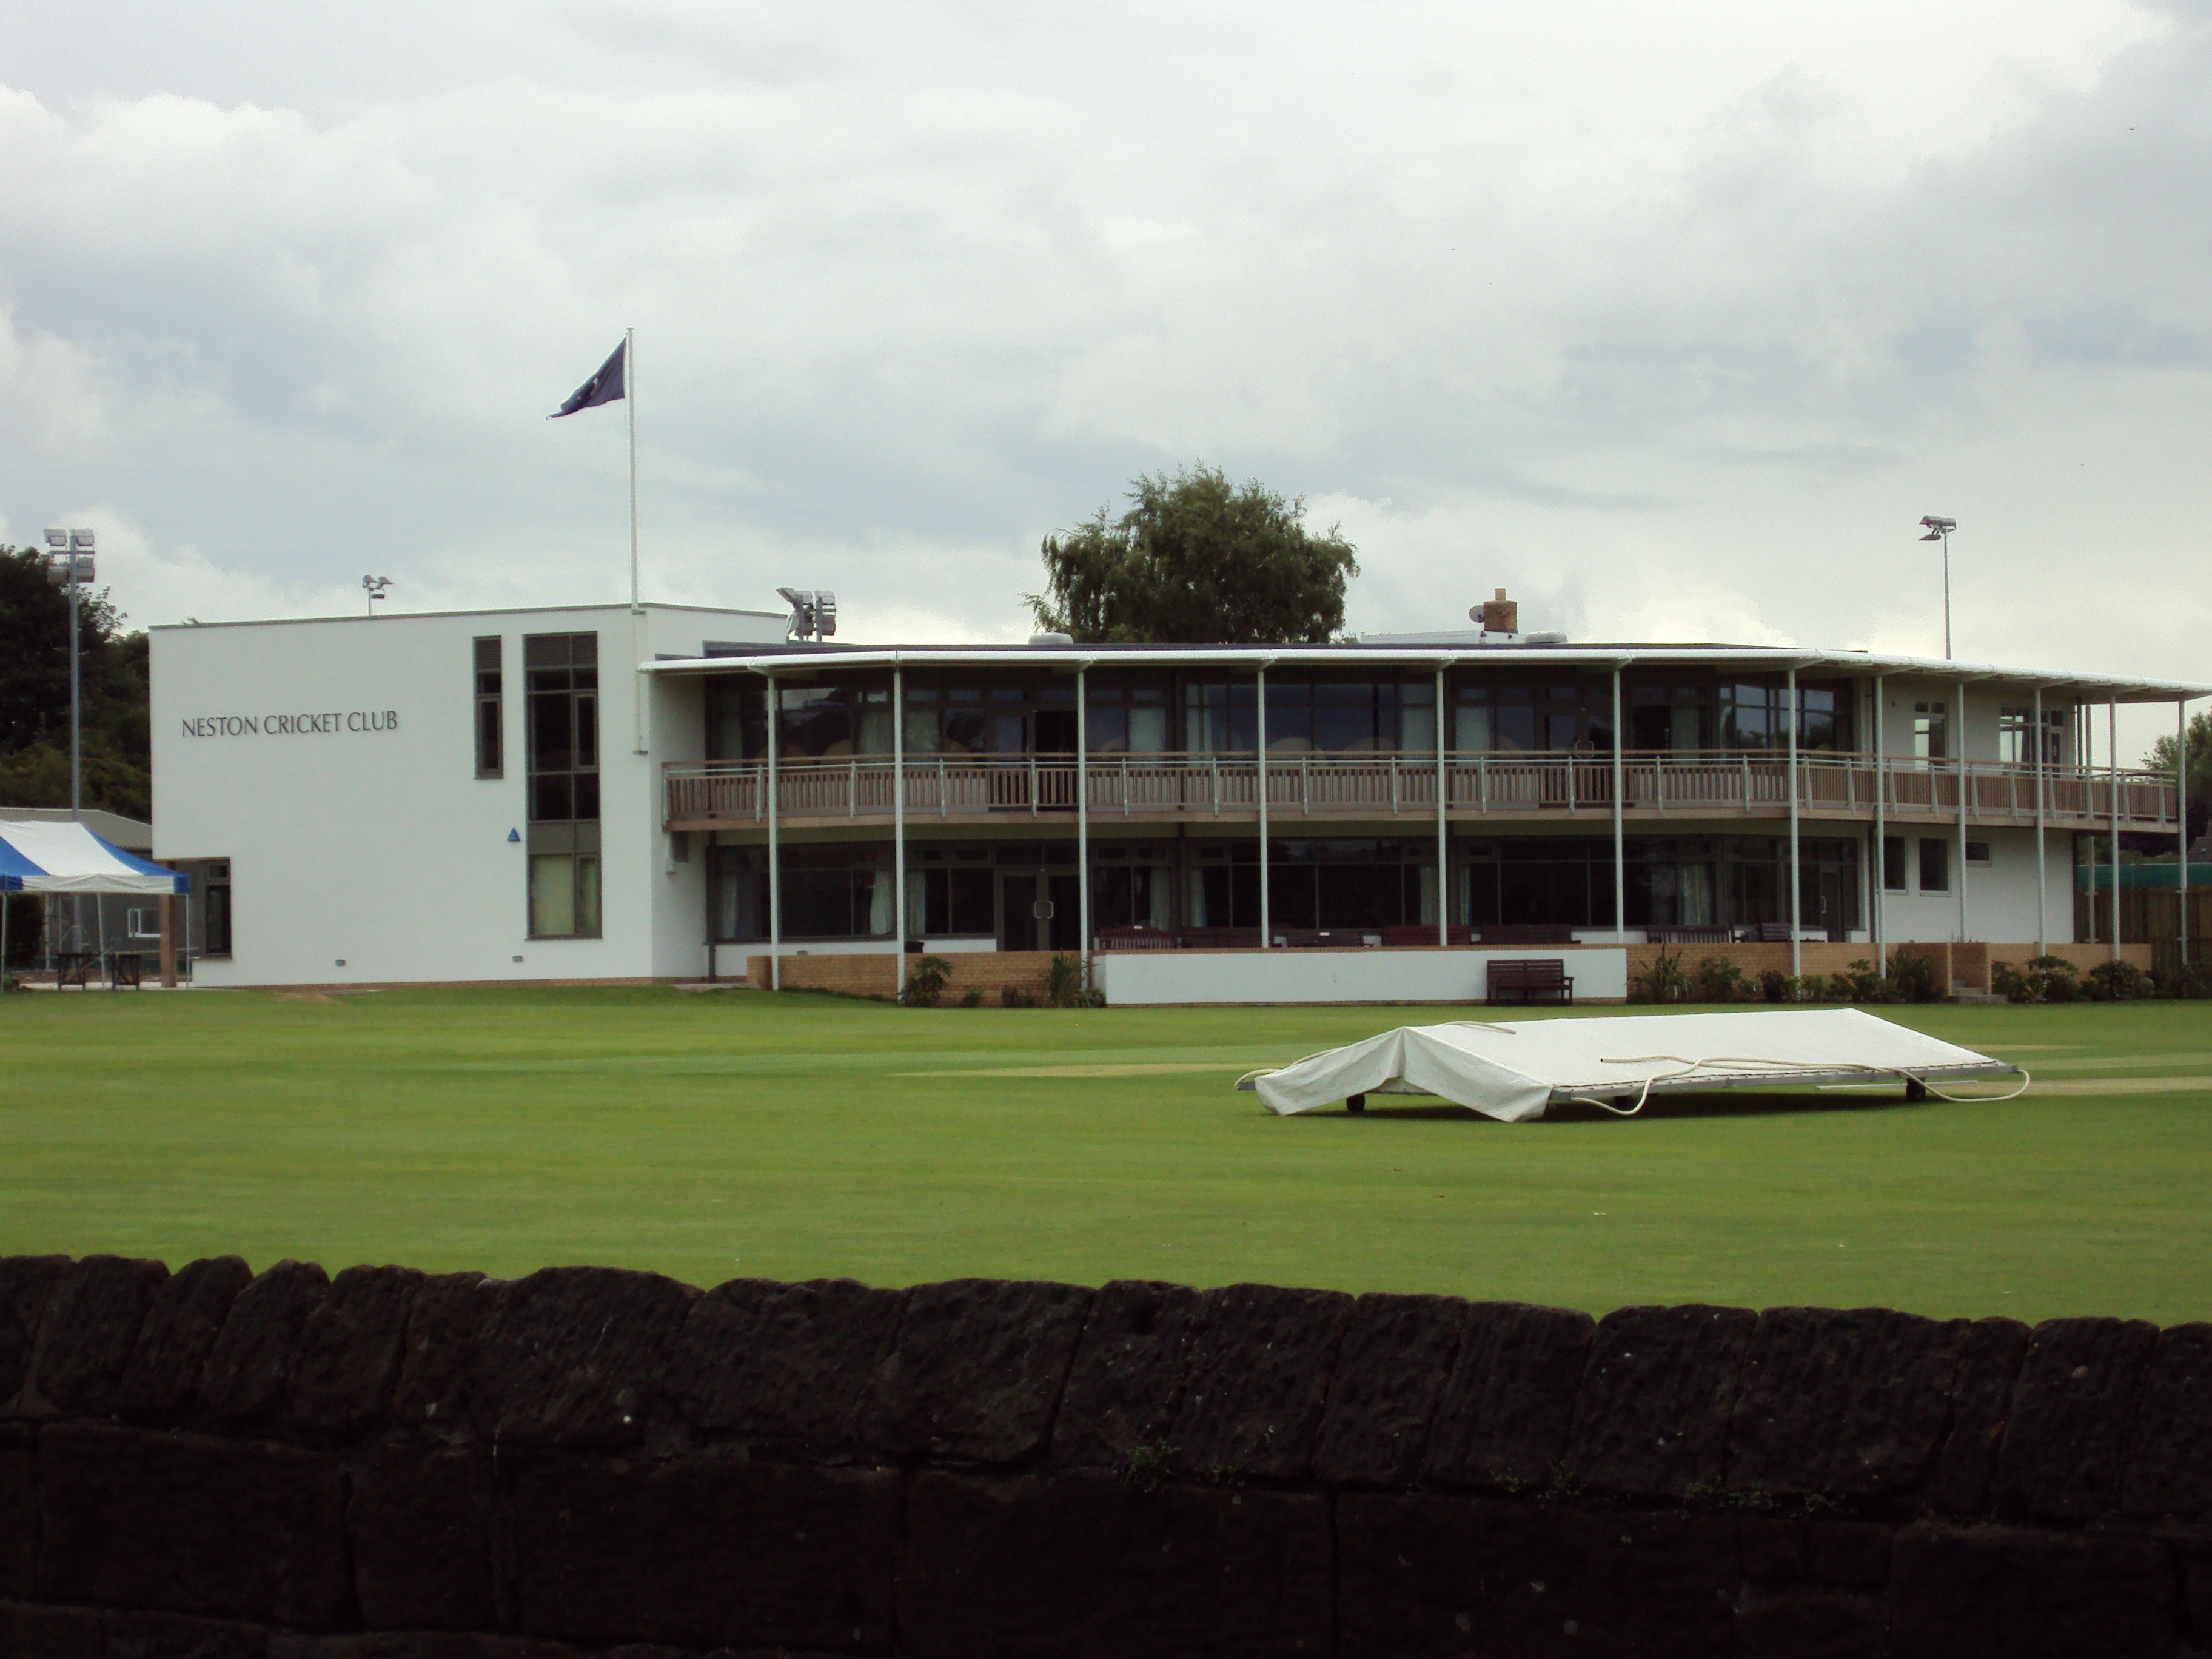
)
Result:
{"points": [[743, 1134]]}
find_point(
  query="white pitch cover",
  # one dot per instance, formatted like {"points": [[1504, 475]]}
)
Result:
{"points": [[1513, 1070]]}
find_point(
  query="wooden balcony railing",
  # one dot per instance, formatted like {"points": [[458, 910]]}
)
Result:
{"points": [[1320, 786]]}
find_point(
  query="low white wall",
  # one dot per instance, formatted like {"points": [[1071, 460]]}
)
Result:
{"points": [[1132, 977]]}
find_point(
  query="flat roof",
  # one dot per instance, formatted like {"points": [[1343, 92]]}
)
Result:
{"points": [[795, 657], [496, 610]]}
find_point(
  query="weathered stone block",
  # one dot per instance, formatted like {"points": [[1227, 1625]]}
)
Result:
{"points": [[1258, 1381], [1651, 1420], [1812, 1624], [183, 1523], [2169, 1469], [181, 1325], [250, 1370], [1391, 1370], [1422, 1576], [449, 1322], [1506, 1410], [785, 1363], [1849, 1554], [174, 1636], [19, 1507], [1127, 1381], [36, 1632], [2000, 1593], [92, 1318], [1078, 1568], [579, 1354], [427, 1644], [2064, 1440], [1990, 1356], [350, 1349], [421, 1519], [977, 1369], [1848, 1402], [703, 1553], [26, 1282]]}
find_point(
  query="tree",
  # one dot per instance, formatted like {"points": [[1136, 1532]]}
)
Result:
{"points": [[35, 700], [2161, 759], [1195, 561]]}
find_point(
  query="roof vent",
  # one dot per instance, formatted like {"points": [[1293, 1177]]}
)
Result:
{"points": [[1496, 615], [1052, 638]]}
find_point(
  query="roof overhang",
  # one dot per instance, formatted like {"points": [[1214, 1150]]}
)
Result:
{"points": [[1587, 659]]}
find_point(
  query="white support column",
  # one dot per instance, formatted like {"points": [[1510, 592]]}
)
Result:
{"points": [[774, 853], [1261, 771], [2112, 762], [1796, 948], [2181, 819], [1959, 881], [2042, 875], [1083, 815], [898, 830], [1878, 911], [1620, 837], [1443, 861]]}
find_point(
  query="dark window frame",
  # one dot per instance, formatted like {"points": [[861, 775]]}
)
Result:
{"points": [[489, 670]]}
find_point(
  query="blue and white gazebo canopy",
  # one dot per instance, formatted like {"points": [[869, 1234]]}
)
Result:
{"points": [[68, 858]]}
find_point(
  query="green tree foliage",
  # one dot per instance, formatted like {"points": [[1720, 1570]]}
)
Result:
{"points": [[1196, 561], [34, 700], [2161, 759]]}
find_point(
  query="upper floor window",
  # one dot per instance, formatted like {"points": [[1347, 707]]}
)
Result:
{"points": [[562, 671], [488, 714], [1565, 716], [1930, 739], [2015, 740], [832, 722], [1127, 720], [1351, 717]]}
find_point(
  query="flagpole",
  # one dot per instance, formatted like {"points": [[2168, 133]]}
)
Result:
{"points": [[639, 691]]}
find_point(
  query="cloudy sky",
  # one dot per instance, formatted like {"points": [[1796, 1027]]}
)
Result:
{"points": [[1673, 319]]}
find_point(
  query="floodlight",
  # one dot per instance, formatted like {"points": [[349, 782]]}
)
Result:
{"points": [[58, 539]]}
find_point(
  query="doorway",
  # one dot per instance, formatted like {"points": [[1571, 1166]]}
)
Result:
{"points": [[1040, 910]]}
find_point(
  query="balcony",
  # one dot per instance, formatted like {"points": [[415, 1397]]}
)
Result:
{"points": [[1311, 788]]}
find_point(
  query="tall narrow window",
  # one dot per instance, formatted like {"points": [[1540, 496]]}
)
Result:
{"points": [[1893, 865], [216, 922], [487, 707], [561, 681], [1934, 865], [1928, 737]]}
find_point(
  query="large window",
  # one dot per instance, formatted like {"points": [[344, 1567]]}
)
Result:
{"points": [[736, 718], [830, 722], [838, 891], [488, 708], [1672, 881], [1127, 718], [1335, 883], [1351, 717], [561, 675], [2015, 742], [1563, 716], [1896, 875]]}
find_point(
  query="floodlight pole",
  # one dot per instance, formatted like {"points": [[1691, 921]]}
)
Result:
{"points": [[1083, 814], [1966, 782], [2181, 816], [76, 713], [1619, 841], [2042, 879], [774, 867], [1443, 801]]}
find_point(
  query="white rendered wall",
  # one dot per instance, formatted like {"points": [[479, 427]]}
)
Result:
{"points": [[2000, 895], [380, 848], [1135, 977]]}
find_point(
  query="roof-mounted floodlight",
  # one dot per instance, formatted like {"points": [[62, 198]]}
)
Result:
{"points": [[813, 615], [1937, 528]]}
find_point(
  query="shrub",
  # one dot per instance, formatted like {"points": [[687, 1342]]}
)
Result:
{"points": [[2013, 984], [1015, 996], [1064, 987], [2118, 981], [1774, 986], [2055, 980], [2189, 980], [1915, 978], [1863, 984], [1720, 980], [972, 997], [925, 981], [1661, 980]]}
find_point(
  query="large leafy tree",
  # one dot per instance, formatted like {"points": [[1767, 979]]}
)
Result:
{"points": [[1196, 561], [35, 700], [2161, 759]]}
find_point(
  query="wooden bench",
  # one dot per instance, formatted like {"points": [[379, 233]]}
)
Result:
{"points": [[1536, 980]]}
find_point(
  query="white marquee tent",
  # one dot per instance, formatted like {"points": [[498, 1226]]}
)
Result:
{"points": [[38, 856], [1514, 1071]]}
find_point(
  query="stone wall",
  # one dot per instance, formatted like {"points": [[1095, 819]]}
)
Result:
{"points": [[212, 1465]]}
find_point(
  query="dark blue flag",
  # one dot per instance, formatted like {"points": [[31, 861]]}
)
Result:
{"points": [[604, 387]]}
